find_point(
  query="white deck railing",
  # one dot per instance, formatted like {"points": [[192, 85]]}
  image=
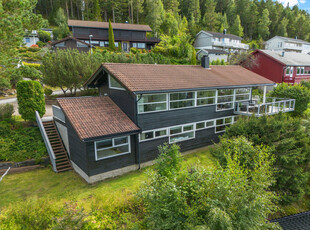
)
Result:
{"points": [[46, 141], [271, 106]]}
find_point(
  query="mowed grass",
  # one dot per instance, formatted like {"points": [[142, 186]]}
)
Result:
{"points": [[68, 186]]}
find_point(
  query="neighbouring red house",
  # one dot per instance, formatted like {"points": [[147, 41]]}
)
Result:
{"points": [[289, 67]]}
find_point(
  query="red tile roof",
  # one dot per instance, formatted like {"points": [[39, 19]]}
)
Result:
{"points": [[96, 116], [150, 77], [105, 25]]}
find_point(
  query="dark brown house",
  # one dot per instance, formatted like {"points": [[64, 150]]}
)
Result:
{"points": [[72, 43], [128, 35]]}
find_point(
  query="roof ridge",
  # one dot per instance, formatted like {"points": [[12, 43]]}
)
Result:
{"points": [[292, 215]]}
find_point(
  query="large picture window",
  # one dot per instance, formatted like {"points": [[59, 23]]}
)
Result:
{"points": [[182, 100], [114, 84], [181, 133], [225, 99], [221, 124], [152, 102], [112, 147], [242, 94], [206, 97]]}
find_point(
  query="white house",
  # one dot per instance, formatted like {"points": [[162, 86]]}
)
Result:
{"points": [[279, 43], [220, 41], [214, 54], [31, 38]]}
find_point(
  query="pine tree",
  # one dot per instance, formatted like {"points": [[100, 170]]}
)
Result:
{"points": [[210, 20], [263, 25], [236, 28], [154, 14], [281, 30], [111, 37], [224, 23], [193, 59], [97, 13]]}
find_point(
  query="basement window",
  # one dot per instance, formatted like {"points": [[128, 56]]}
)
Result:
{"points": [[112, 147]]}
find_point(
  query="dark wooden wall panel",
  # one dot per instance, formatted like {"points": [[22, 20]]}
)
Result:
{"points": [[106, 165], [156, 120], [77, 149]]}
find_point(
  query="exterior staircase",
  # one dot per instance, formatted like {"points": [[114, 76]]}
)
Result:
{"points": [[62, 160]]}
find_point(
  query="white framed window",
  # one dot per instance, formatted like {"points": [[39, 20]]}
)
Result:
{"points": [[101, 44], [242, 94], [114, 84], [205, 124], [222, 123], [225, 99], [79, 44], [116, 44], [300, 70], [181, 133], [112, 147], [153, 134], [61, 44], [206, 97], [27, 40], [152, 103], [182, 100], [141, 46]]}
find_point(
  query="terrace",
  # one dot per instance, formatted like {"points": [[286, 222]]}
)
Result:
{"points": [[259, 106]]}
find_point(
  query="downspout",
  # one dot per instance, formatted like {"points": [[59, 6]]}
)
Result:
{"points": [[137, 142]]}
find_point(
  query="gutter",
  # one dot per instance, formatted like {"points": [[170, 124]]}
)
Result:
{"points": [[137, 141]]}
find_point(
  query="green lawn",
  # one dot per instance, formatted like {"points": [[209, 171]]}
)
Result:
{"points": [[68, 186]]}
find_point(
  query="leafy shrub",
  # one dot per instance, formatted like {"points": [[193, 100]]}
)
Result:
{"points": [[299, 92], [34, 48], [30, 97], [41, 44], [19, 143], [6, 111], [44, 36], [27, 71], [230, 197], [48, 92], [289, 142], [34, 65]]}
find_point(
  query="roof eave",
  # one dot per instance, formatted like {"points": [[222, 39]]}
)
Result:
{"points": [[202, 88], [97, 138]]}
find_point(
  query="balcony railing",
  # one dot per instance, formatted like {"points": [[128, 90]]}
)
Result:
{"points": [[231, 45], [259, 108]]}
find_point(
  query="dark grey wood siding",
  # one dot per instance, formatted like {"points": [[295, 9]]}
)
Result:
{"points": [[125, 100], [103, 34], [205, 137], [77, 149], [109, 164], [164, 119]]}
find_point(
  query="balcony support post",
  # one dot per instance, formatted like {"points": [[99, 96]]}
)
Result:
{"points": [[265, 91]]}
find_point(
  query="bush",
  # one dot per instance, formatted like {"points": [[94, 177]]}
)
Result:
{"points": [[299, 92], [30, 97], [34, 48], [19, 143], [41, 44], [28, 72], [6, 111], [44, 36], [34, 65], [289, 142], [48, 92], [230, 197]]}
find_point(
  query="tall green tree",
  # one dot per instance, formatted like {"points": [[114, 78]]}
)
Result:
{"points": [[30, 98], [154, 11], [15, 17], [210, 20], [263, 25], [236, 28], [224, 23], [97, 11], [111, 37], [282, 28], [63, 30]]}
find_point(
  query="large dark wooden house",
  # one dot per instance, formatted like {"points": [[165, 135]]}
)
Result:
{"points": [[70, 43], [142, 106], [128, 35]]}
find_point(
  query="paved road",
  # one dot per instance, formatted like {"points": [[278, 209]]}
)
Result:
{"points": [[13, 100]]}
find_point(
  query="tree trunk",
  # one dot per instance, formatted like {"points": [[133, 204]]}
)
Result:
{"points": [[131, 12], [52, 5], [113, 14], [67, 9], [72, 16], [137, 15]]}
